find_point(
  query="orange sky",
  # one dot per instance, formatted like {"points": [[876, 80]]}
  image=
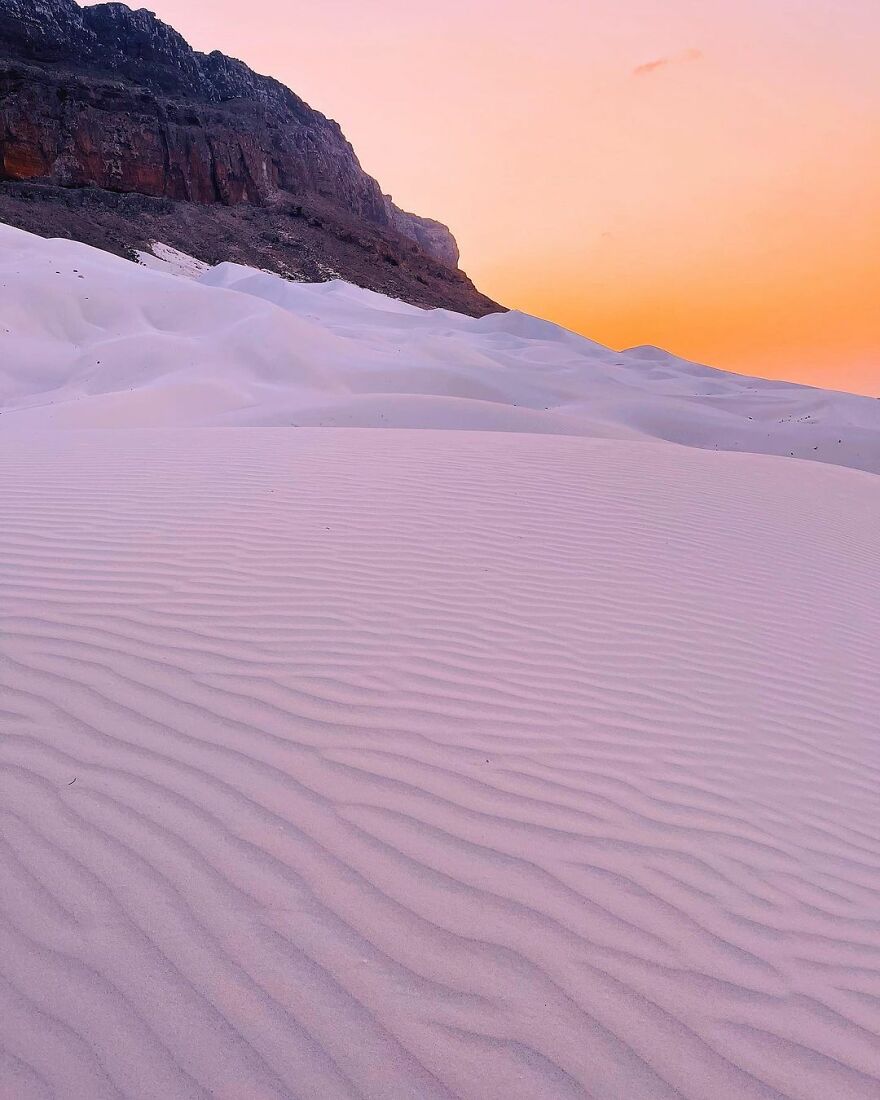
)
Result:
{"points": [[703, 175]]}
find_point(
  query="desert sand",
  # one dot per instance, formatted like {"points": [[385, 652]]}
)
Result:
{"points": [[536, 760]]}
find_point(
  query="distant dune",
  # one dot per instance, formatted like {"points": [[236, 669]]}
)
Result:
{"points": [[92, 340]]}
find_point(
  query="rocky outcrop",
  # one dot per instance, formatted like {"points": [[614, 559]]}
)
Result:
{"points": [[76, 132], [434, 237], [110, 98], [127, 105]]}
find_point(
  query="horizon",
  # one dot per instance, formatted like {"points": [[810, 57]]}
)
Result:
{"points": [[664, 194]]}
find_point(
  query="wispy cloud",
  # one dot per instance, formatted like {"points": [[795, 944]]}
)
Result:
{"points": [[662, 62]]}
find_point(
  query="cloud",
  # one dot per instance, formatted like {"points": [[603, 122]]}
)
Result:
{"points": [[662, 62]]}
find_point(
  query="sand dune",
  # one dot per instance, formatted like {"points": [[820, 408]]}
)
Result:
{"points": [[530, 761], [394, 764], [90, 340]]}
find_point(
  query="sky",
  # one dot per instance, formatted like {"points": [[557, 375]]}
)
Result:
{"points": [[702, 175]]}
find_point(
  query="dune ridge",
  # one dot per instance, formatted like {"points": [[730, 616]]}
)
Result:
{"points": [[361, 763]]}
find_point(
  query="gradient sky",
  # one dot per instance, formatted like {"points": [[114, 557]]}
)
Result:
{"points": [[703, 175]]}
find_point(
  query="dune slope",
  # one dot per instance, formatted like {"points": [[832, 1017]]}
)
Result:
{"points": [[88, 340], [358, 763]]}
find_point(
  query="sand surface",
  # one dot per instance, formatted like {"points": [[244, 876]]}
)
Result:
{"points": [[393, 764], [497, 764]]}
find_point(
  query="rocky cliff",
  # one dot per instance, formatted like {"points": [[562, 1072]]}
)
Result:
{"points": [[112, 99]]}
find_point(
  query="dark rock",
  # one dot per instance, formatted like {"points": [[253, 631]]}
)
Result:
{"points": [[432, 236], [112, 99]]}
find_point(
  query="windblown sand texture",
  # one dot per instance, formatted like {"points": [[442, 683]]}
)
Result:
{"points": [[341, 762]]}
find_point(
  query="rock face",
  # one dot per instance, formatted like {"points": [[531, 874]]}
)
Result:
{"points": [[433, 236], [110, 98]]}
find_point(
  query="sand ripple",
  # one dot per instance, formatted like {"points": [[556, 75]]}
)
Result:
{"points": [[415, 764]]}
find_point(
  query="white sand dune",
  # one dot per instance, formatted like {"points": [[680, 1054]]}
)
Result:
{"points": [[500, 764], [89, 340]]}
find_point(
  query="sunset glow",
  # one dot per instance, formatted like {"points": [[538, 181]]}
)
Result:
{"points": [[701, 176]]}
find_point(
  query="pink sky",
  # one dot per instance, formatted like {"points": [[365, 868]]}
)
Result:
{"points": [[698, 174]]}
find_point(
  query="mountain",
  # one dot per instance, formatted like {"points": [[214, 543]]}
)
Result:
{"points": [[115, 132]]}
